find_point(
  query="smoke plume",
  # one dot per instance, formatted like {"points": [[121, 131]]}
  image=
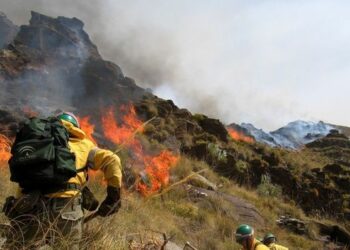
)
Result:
{"points": [[266, 63]]}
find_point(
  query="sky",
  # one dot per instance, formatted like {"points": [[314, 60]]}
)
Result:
{"points": [[266, 62]]}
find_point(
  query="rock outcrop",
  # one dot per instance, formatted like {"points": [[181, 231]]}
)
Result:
{"points": [[52, 64], [7, 31]]}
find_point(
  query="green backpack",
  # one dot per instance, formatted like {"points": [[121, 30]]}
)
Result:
{"points": [[41, 159]]}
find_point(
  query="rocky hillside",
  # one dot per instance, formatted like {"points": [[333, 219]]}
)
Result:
{"points": [[300, 174], [345, 130], [7, 30], [52, 64]]}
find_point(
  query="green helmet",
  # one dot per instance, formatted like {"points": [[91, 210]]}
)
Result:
{"points": [[69, 117], [244, 231], [269, 237]]}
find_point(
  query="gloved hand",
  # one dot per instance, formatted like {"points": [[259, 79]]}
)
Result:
{"points": [[90, 203], [112, 202]]}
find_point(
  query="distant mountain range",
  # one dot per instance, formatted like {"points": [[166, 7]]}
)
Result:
{"points": [[294, 135]]}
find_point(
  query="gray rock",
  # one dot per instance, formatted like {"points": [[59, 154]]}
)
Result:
{"points": [[8, 31]]}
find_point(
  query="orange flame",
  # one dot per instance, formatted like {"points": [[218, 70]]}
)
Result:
{"points": [[156, 172], [121, 133], [87, 127], [5, 148], [238, 136]]}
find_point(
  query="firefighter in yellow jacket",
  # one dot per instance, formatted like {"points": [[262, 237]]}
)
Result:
{"points": [[245, 237], [270, 241], [61, 211]]}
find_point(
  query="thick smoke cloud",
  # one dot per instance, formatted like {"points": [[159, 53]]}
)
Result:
{"points": [[265, 62], [57, 82]]}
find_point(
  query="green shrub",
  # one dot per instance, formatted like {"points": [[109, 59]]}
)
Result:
{"points": [[241, 166], [216, 153], [267, 189], [199, 117]]}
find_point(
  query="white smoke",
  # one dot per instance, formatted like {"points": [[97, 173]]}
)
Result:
{"points": [[266, 62], [46, 85]]}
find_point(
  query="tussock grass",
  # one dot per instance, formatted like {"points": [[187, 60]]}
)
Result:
{"points": [[205, 223]]}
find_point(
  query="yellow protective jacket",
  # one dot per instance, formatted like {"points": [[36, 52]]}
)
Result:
{"points": [[257, 245], [88, 154], [274, 246]]}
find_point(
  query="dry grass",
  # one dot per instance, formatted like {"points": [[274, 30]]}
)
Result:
{"points": [[206, 224], [306, 159]]}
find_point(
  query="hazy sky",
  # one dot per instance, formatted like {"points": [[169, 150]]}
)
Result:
{"points": [[263, 62]]}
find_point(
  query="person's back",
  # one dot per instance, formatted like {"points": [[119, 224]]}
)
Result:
{"points": [[87, 154], [64, 205], [257, 245]]}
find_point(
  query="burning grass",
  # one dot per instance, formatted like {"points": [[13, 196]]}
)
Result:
{"points": [[157, 172], [87, 127], [142, 222], [167, 209], [151, 169], [5, 149], [155, 168], [124, 133], [238, 136]]}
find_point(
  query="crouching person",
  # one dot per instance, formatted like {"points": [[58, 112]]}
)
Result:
{"points": [[245, 237], [49, 161], [270, 241]]}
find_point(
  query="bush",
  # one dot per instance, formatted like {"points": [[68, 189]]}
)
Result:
{"points": [[267, 189], [149, 129], [216, 153], [199, 117], [183, 168], [241, 167]]}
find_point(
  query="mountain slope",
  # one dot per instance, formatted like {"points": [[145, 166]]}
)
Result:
{"points": [[52, 64], [294, 135]]}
